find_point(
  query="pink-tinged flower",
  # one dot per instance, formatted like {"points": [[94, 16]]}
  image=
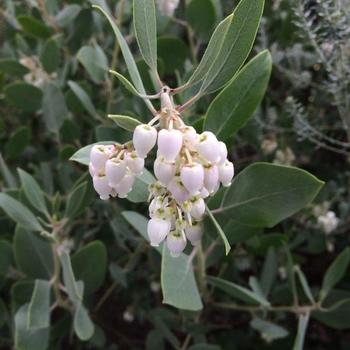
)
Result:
{"points": [[176, 243], [226, 173], [192, 176], [190, 137], [178, 190], [99, 155], [169, 143], [135, 164], [125, 185], [194, 233], [157, 230], [144, 139], [164, 171], [223, 153], [198, 208], [211, 178], [92, 170], [101, 186], [204, 193], [208, 147], [115, 171]]}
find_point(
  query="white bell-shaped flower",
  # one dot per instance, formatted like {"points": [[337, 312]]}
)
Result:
{"points": [[192, 176], [125, 185], [194, 232], [92, 170], [178, 190], [204, 193], [99, 155], [101, 186], [156, 203], [157, 230], [115, 171], [211, 178], [198, 208], [164, 170], [144, 139], [169, 143], [226, 173], [190, 137], [176, 243], [135, 163], [208, 147], [223, 153]]}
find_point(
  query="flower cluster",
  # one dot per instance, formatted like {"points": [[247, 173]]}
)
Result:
{"points": [[167, 7], [189, 167]]}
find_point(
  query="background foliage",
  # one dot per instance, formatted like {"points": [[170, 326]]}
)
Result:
{"points": [[281, 276]]}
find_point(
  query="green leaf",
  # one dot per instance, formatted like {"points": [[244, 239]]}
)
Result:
{"points": [[126, 83], [302, 327], [74, 293], [33, 191], [178, 283], [26, 339], [94, 61], [124, 121], [83, 155], [7, 176], [3, 313], [174, 52], [12, 67], [21, 292], [146, 31], [84, 98], [6, 257], [34, 27], [54, 107], [33, 255], [39, 307], [220, 231], [90, 264], [24, 96], [269, 331], [128, 57], [210, 54], [269, 271], [236, 45], [201, 15], [235, 105], [18, 142], [50, 56], [305, 285], [335, 273], [19, 213], [264, 194], [237, 291], [67, 15], [139, 192], [83, 326], [75, 200]]}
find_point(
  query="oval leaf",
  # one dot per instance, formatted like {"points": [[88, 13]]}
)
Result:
{"points": [[124, 121]]}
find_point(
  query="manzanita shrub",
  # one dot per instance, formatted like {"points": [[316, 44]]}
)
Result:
{"points": [[157, 197]]}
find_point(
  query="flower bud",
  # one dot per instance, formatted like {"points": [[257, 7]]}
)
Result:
{"points": [[169, 143], [144, 139], [176, 243], [157, 230], [192, 176], [204, 193], [198, 208], [194, 232], [135, 163], [92, 170], [178, 190], [115, 171], [226, 173], [125, 185], [164, 170], [208, 147], [211, 177], [101, 186], [99, 155], [223, 152]]}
